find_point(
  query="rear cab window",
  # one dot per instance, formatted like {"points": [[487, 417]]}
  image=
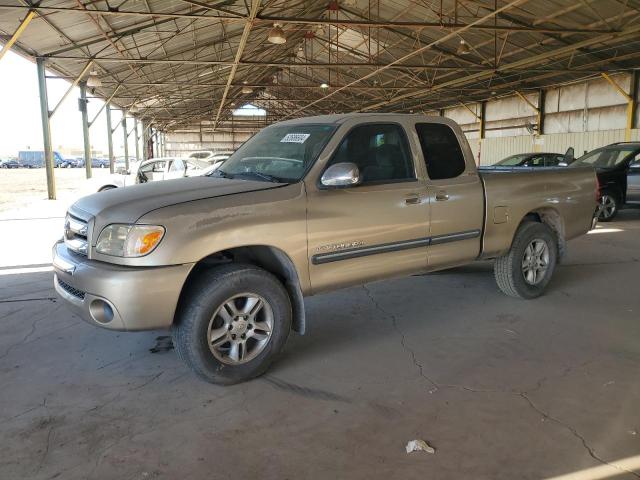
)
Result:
{"points": [[441, 150]]}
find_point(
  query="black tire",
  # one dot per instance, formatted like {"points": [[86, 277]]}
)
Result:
{"points": [[107, 187], [609, 205], [205, 295], [508, 269]]}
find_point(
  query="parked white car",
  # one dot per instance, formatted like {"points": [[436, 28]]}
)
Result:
{"points": [[153, 170], [213, 158]]}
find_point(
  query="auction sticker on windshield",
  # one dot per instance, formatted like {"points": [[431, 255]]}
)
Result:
{"points": [[295, 137]]}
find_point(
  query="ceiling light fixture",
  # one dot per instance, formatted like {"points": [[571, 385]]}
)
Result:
{"points": [[276, 35], [324, 86], [463, 48], [93, 80]]}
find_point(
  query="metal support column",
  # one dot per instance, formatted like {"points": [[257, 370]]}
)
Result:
{"points": [[631, 120], [85, 128], [145, 142], [154, 139], [135, 132], [541, 100], [126, 140], [110, 139], [46, 129], [481, 119]]}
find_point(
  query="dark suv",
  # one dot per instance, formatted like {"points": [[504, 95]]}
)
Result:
{"points": [[618, 169]]}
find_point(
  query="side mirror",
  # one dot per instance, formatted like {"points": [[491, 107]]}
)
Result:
{"points": [[569, 155], [344, 174]]}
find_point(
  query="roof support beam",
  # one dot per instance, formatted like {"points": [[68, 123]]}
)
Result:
{"points": [[533, 60], [444, 38], [631, 101], [71, 87], [421, 25], [473, 112], [23, 24], [527, 101], [234, 17], [243, 42], [379, 66], [104, 105]]}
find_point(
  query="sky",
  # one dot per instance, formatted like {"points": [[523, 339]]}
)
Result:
{"points": [[20, 123]]}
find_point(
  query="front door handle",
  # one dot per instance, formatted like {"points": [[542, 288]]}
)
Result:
{"points": [[442, 196], [412, 200]]}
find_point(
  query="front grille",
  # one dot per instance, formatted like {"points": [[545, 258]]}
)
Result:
{"points": [[75, 234], [71, 290]]}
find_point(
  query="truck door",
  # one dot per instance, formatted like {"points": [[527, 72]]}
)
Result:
{"points": [[377, 228], [633, 181], [456, 197]]}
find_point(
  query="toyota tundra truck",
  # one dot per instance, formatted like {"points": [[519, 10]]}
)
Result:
{"points": [[308, 206]]}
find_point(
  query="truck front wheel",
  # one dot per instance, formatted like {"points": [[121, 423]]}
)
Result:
{"points": [[232, 323], [526, 269]]}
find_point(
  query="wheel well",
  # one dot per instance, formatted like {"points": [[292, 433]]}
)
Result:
{"points": [[553, 220], [271, 259], [107, 187]]}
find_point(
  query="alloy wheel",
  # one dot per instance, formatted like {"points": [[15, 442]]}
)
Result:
{"points": [[240, 329], [606, 207], [535, 261]]}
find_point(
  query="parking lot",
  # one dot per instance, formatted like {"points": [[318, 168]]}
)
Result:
{"points": [[501, 388]]}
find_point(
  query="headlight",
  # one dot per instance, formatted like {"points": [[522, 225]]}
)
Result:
{"points": [[129, 240]]}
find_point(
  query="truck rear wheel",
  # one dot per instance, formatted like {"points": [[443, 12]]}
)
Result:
{"points": [[526, 269], [232, 323]]}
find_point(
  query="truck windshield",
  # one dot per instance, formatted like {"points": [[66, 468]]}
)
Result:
{"points": [[281, 153], [607, 157]]}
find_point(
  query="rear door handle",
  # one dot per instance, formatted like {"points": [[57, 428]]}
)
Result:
{"points": [[442, 196]]}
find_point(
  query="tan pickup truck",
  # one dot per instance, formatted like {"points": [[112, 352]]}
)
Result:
{"points": [[308, 206]]}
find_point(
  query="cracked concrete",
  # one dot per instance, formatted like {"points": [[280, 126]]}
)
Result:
{"points": [[501, 388]]}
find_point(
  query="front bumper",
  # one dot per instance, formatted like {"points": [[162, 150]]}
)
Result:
{"points": [[117, 297]]}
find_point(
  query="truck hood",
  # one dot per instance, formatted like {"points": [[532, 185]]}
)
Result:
{"points": [[127, 205]]}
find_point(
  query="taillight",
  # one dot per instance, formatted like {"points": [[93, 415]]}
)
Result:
{"points": [[598, 193]]}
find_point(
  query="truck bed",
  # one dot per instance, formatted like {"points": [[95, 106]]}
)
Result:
{"points": [[566, 197]]}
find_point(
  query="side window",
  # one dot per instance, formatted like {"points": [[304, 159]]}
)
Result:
{"points": [[537, 161], [158, 167], [554, 160], [441, 150], [147, 168], [176, 166], [380, 151]]}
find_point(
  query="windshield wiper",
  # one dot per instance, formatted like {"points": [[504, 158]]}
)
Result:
{"points": [[220, 173], [264, 176]]}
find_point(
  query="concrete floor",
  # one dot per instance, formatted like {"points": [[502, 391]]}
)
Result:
{"points": [[503, 389]]}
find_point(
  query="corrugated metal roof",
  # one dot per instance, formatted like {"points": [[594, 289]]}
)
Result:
{"points": [[172, 58]]}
